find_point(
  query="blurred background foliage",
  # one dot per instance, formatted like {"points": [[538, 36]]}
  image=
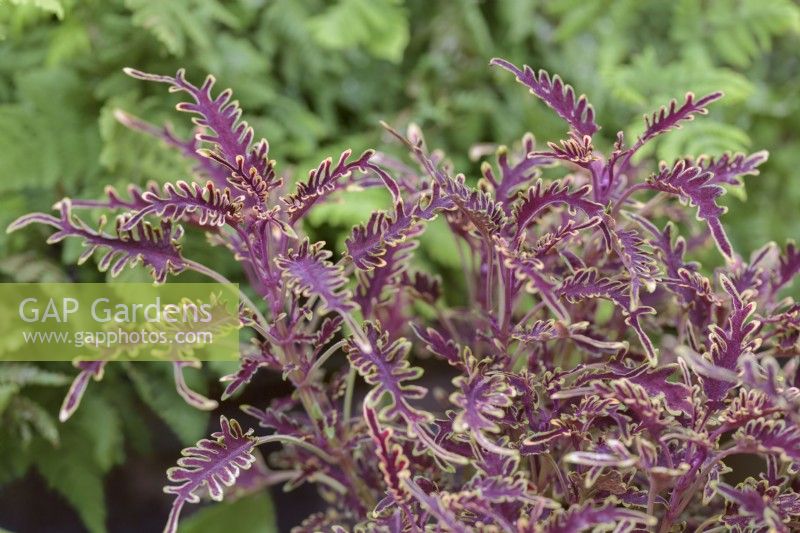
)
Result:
{"points": [[315, 77]]}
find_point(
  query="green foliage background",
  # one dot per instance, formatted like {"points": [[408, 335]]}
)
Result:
{"points": [[315, 77]]}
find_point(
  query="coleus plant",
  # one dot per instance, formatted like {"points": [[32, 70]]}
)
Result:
{"points": [[600, 378]]}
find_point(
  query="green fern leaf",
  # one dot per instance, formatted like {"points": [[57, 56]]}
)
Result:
{"points": [[79, 481], [744, 29], [380, 26], [30, 417], [177, 23], [25, 374], [155, 386], [50, 6]]}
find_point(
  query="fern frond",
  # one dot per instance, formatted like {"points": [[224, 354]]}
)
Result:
{"points": [[180, 22], [26, 374]]}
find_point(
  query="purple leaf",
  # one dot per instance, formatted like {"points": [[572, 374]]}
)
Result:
{"points": [[561, 235], [369, 242], [437, 344], [539, 331], [728, 168], [655, 381], [481, 212], [116, 201], [421, 285], [482, 399], [375, 286], [587, 283], [771, 436], [578, 113], [385, 366], [209, 466], [531, 271], [323, 180], [308, 271], [756, 506], [155, 247], [730, 343], [249, 365], [394, 465], [231, 137], [612, 454], [694, 185], [575, 150], [537, 198], [642, 407], [788, 267], [581, 517], [485, 215], [641, 266], [433, 504], [671, 116], [210, 205], [710, 487], [88, 370], [512, 176]]}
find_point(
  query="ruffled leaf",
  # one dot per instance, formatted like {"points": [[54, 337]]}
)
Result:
{"points": [[210, 466], [731, 343], [385, 366], [696, 186], [155, 247], [728, 168], [771, 436], [482, 399], [641, 266], [308, 271], [671, 116], [576, 111], [537, 198], [368, 244], [581, 517], [231, 137], [209, 205], [393, 463], [323, 180]]}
